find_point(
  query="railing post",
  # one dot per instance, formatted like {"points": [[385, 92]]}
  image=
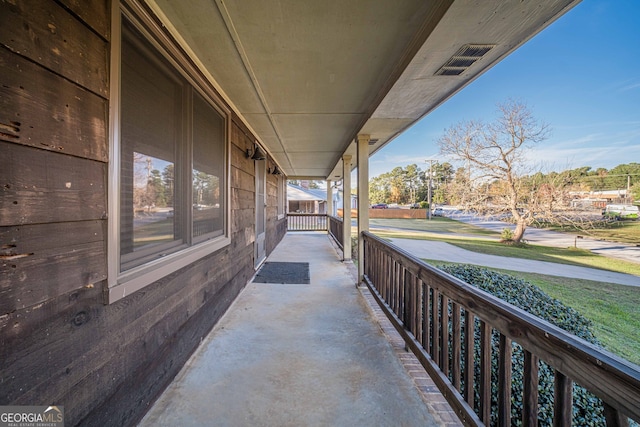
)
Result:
{"points": [[363, 197], [329, 198], [346, 207]]}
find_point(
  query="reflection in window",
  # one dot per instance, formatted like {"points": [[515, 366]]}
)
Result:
{"points": [[208, 151], [152, 201]]}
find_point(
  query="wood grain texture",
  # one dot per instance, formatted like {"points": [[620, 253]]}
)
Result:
{"points": [[47, 34], [94, 13], [41, 186], [42, 261], [43, 110], [530, 393]]}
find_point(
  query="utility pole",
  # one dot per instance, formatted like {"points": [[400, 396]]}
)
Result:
{"points": [[429, 187]]}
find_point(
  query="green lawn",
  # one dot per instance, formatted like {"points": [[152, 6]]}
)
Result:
{"points": [[616, 231], [613, 309], [437, 226]]}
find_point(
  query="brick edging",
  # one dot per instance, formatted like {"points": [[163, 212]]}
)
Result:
{"points": [[435, 401]]}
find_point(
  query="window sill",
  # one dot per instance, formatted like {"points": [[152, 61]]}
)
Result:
{"points": [[133, 280]]}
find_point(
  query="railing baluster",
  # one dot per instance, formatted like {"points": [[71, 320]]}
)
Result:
{"points": [[408, 309], [398, 288], [613, 417], [402, 289], [530, 392], [455, 345], [394, 283], [485, 372], [504, 382], [444, 333], [435, 327], [562, 400], [419, 313], [469, 358], [417, 307], [409, 301], [413, 303], [426, 328], [388, 275]]}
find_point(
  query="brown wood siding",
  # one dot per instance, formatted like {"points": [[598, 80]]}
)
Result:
{"points": [[276, 228], [49, 35], [44, 187], [94, 13], [44, 110], [34, 254], [59, 342]]}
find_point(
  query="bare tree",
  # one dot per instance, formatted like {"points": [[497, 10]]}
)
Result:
{"points": [[495, 157]]}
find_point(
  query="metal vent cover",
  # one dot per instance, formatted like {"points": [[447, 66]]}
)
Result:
{"points": [[465, 57]]}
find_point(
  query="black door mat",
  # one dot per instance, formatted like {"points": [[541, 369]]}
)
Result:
{"points": [[287, 273]]}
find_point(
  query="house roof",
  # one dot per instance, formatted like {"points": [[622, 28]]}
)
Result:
{"points": [[295, 192], [308, 76]]}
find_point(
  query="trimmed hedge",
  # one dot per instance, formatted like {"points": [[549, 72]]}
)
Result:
{"points": [[587, 409]]}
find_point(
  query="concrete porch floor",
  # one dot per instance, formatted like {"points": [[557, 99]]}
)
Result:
{"points": [[302, 355]]}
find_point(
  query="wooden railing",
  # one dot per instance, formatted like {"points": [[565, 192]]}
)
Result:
{"points": [[437, 315], [336, 230], [306, 222]]}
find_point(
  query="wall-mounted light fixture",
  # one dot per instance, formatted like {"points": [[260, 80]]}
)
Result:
{"points": [[275, 170], [257, 154]]}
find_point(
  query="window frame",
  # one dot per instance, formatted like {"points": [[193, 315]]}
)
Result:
{"points": [[123, 283], [281, 198]]}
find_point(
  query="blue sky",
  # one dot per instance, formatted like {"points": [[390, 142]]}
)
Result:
{"points": [[581, 76]]}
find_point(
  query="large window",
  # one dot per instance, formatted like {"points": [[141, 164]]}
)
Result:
{"points": [[170, 165]]}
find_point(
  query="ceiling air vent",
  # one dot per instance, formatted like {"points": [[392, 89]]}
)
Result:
{"points": [[465, 57], [373, 141]]}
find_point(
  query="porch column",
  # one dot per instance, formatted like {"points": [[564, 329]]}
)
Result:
{"points": [[363, 199], [346, 207], [329, 199]]}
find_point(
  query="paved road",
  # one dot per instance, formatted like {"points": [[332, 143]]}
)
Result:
{"points": [[445, 252], [442, 251], [556, 239]]}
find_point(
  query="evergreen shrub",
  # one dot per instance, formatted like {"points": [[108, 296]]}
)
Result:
{"points": [[587, 409]]}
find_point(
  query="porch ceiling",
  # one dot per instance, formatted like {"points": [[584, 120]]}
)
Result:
{"points": [[307, 76]]}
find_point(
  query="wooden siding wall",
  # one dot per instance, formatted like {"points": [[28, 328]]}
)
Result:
{"points": [[276, 228], [59, 343]]}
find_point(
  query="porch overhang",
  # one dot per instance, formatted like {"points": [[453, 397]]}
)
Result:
{"points": [[307, 77]]}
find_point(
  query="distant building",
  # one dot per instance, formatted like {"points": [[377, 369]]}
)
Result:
{"points": [[598, 199], [306, 200]]}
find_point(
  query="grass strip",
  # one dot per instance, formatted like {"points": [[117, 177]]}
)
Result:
{"points": [[569, 256]]}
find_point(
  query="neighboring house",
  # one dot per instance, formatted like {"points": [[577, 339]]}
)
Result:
{"points": [[144, 150], [306, 200], [598, 199], [339, 197]]}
